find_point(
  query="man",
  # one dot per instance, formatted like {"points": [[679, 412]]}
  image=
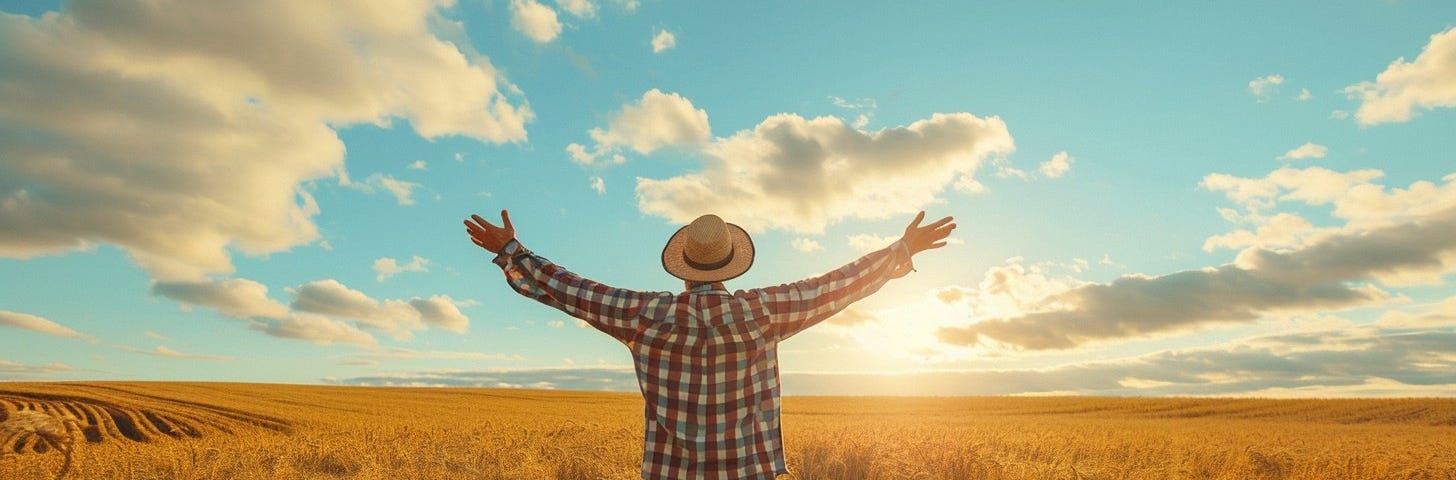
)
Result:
{"points": [[706, 359]]}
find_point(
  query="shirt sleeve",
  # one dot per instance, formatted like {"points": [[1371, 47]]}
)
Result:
{"points": [[796, 306], [613, 311]]}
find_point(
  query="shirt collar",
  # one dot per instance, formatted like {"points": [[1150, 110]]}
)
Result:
{"points": [[715, 287]]}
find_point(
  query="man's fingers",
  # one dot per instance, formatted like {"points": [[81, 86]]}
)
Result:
{"points": [[935, 245], [940, 222], [474, 229], [916, 223], [483, 224], [506, 219]]}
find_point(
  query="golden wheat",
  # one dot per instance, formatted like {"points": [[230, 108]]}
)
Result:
{"points": [[253, 431], [41, 432]]}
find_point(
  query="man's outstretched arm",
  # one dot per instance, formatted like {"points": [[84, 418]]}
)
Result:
{"points": [[611, 310], [796, 306]]}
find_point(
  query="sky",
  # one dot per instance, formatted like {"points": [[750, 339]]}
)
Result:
{"points": [[1223, 199]]}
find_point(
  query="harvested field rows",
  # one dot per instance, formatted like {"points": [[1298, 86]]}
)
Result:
{"points": [[246, 431]]}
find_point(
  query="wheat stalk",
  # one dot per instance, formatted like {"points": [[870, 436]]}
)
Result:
{"points": [[57, 433]]}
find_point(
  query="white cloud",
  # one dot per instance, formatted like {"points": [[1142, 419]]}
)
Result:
{"points": [[441, 311], [1393, 237], [869, 242], [1057, 166], [1314, 185], [1339, 114], [403, 191], [417, 165], [663, 41], [1304, 95], [8, 367], [1262, 87], [655, 121], [1443, 314], [37, 324], [397, 353], [158, 131], [316, 329], [799, 175], [538, 22], [387, 267], [235, 297], [1308, 150], [1281, 230], [805, 244], [156, 336], [1404, 87], [578, 8], [556, 324], [1344, 361], [599, 185], [397, 318], [864, 109], [162, 351]]}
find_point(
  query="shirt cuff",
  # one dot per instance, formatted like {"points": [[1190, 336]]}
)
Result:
{"points": [[903, 264], [512, 249]]}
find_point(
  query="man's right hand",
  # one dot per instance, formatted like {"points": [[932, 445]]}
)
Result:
{"points": [[931, 236], [489, 236]]}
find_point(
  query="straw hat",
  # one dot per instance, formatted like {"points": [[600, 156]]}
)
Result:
{"points": [[708, 250]]}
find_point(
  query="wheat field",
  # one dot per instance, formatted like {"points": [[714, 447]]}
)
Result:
{"points": [[259, 431]]}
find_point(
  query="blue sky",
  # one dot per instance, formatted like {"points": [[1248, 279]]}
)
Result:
{"points": [[1213, 199]]}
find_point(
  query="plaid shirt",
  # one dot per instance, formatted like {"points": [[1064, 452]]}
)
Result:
{"points": [[706, 359]]}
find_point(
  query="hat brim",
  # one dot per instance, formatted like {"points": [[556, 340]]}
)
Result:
{"points": [[676, 264]]}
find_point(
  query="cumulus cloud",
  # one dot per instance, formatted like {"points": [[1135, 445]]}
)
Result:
{"points": [[417, 165], [1263, 86], [1442, 314], [397, 318], [663, 41], [863, 108], [181, 132], [655, 121], [234, 297], [441, 311], [1404, 87], [1363, 361], [799, 175], [1281, 230], [316, 329], [599, 185], [403, 191], [909, 329], [869, 242], [1057, 166], [1304, 95], [37, 324], [248, 300], [538, 22], [1308, 150], [1329, 269], [805, 244], [386, 267], [1140, 305], [578, 8]]}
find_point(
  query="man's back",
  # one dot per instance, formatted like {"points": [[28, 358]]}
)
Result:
{"points": [[706, 360]]}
